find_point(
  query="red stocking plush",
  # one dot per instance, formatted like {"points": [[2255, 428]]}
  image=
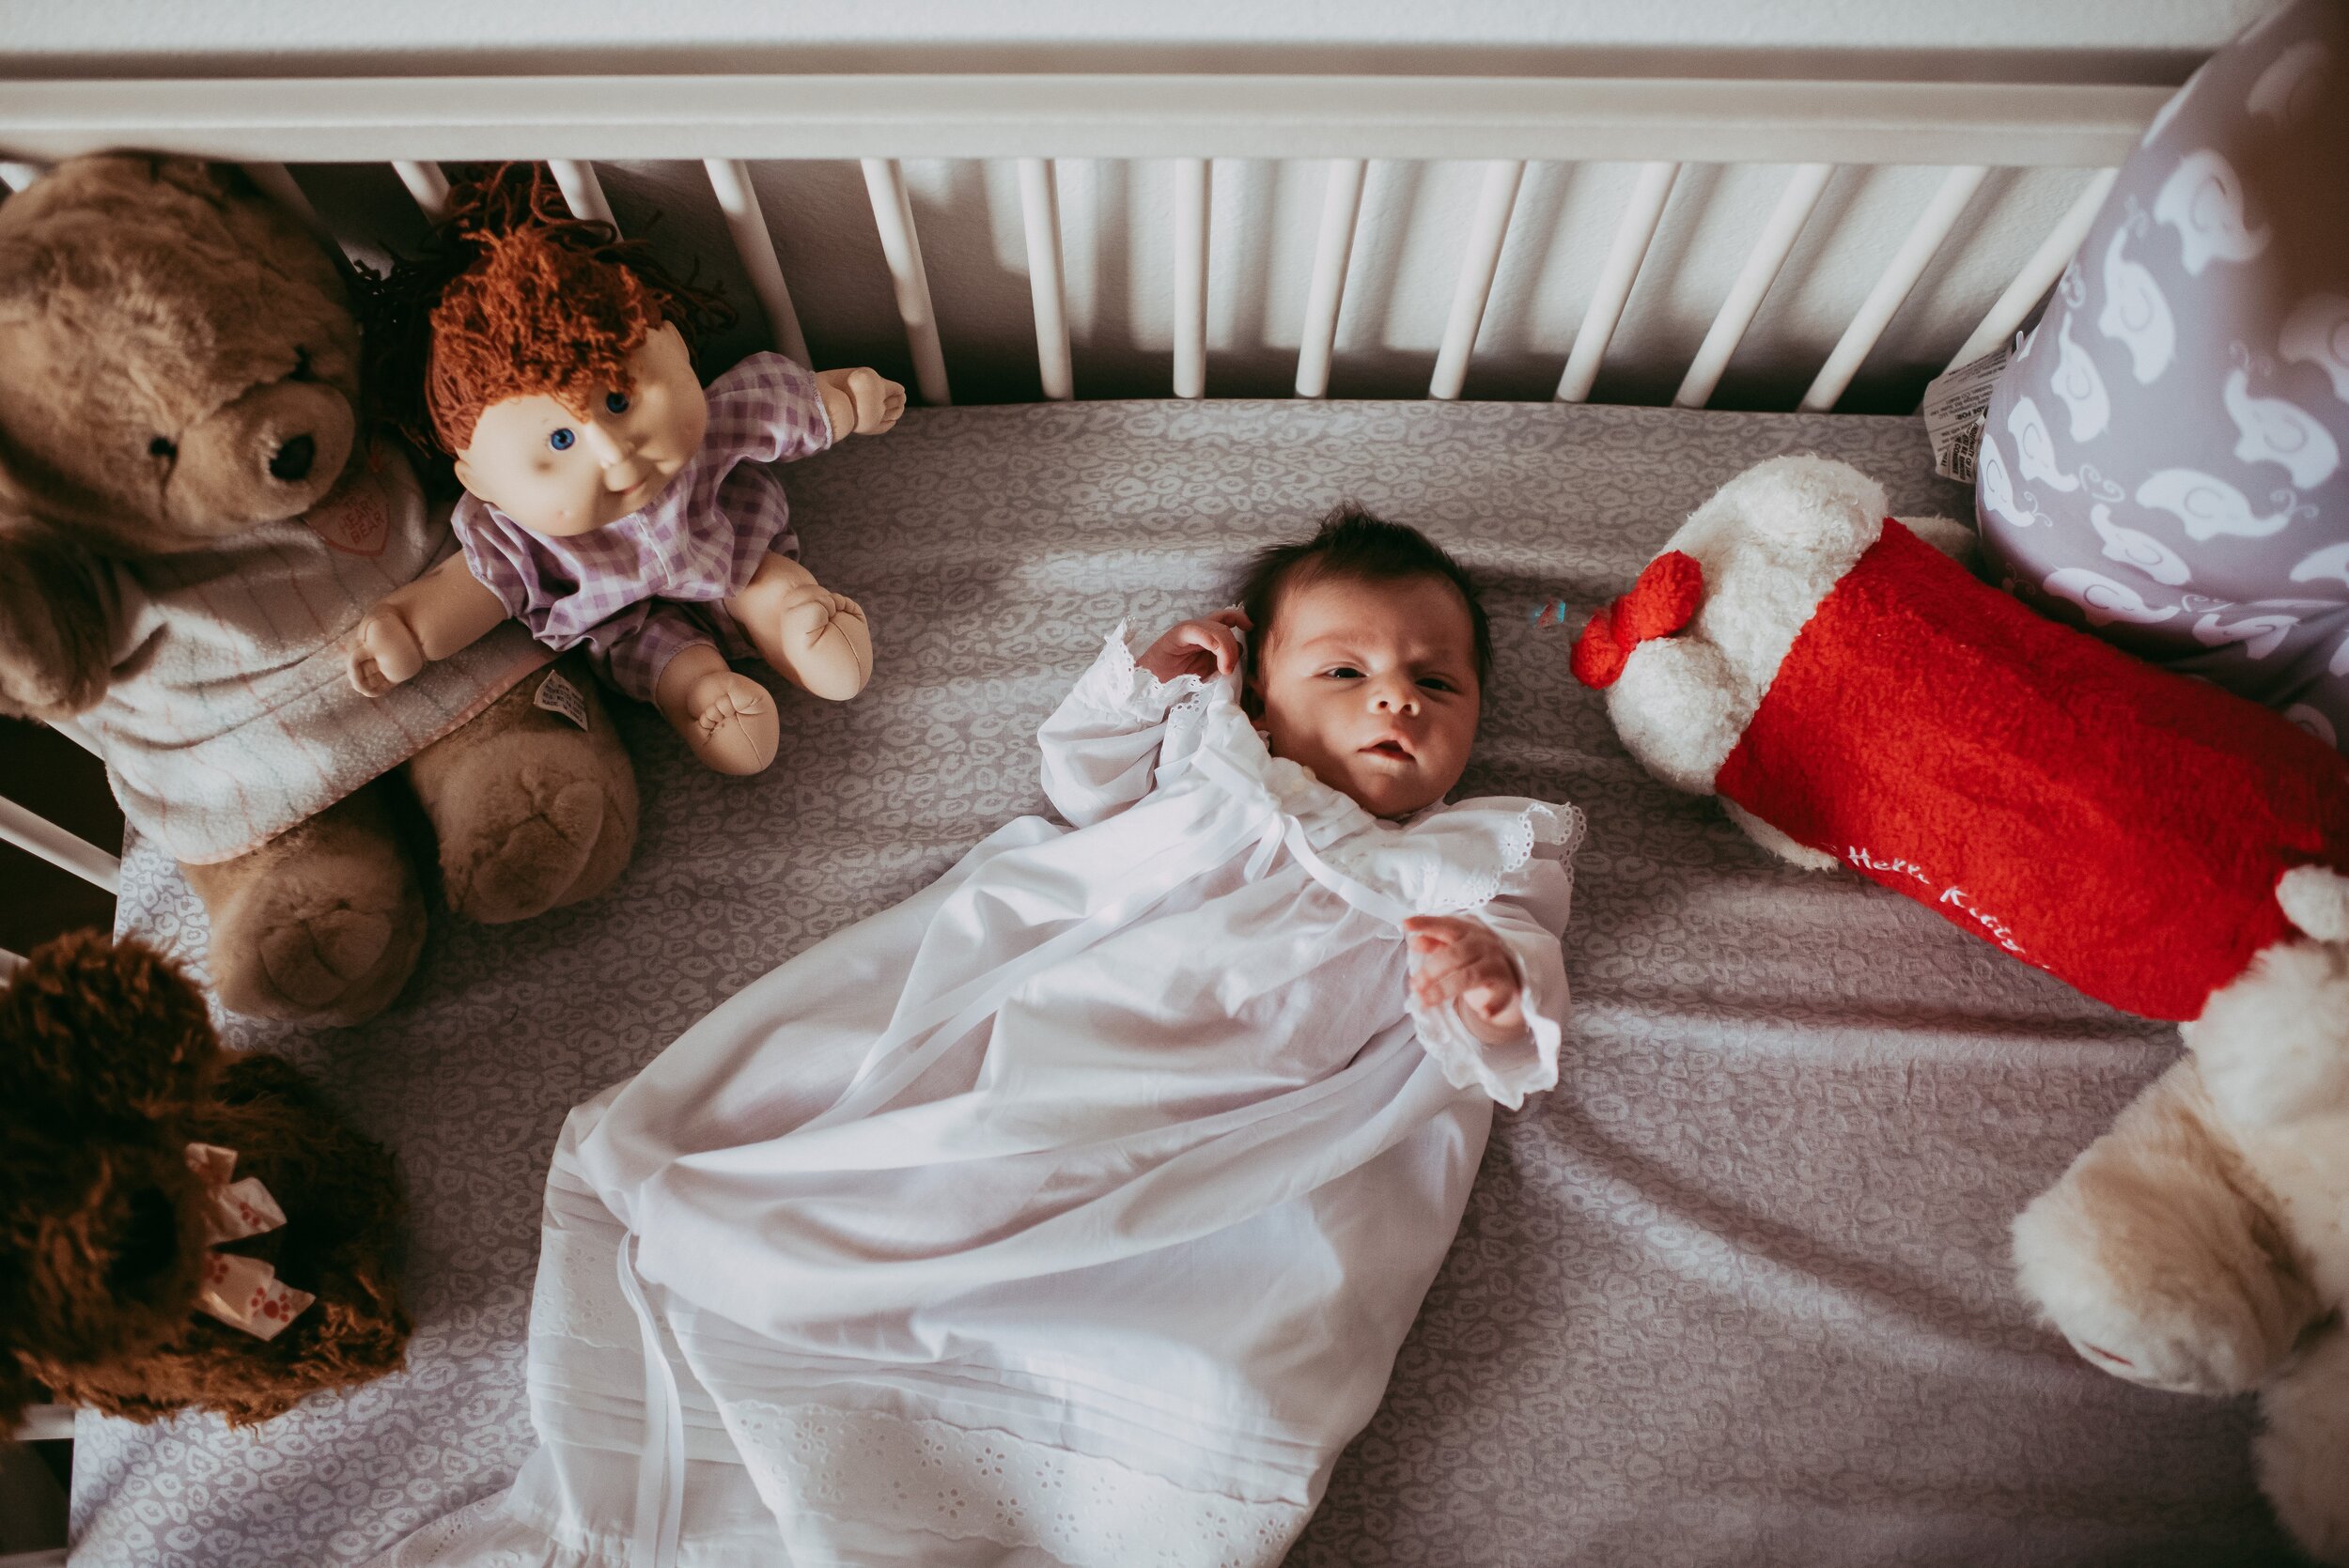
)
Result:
{"points": [[1852, 692]]}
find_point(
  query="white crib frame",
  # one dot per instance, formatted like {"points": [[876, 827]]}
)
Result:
{"points": [[725, 122]]}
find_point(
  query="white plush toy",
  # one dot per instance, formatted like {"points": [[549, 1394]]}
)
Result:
{"points": [[1857, 698]]}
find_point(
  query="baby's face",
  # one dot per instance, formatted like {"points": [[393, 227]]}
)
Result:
{"points": [[1373, 686], [559, 471]]}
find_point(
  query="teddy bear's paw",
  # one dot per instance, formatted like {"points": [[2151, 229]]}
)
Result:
{"points": [[322, 924], [330, 965], [524, 845], [2159, 1255], [2167, 1322], [2303, 1450]]}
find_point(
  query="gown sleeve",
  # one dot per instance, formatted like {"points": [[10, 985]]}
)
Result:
{"points": [[1529, 915], [1101, 746]]}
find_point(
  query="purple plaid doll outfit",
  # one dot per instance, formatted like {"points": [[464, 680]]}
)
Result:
{"points": [[639, 591]]}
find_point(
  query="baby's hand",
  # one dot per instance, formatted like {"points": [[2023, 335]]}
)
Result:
{"points": [[382, 652], [1462, 964], [1206, 647]]}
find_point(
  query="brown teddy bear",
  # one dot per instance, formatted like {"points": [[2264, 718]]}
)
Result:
{"points": [[193, 517], [120, 1119]]}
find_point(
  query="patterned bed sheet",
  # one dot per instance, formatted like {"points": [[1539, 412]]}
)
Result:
{"points": [[1737, 1292]]}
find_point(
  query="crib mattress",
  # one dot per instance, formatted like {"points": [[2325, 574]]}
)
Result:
{"points": [[1735, 1293]]}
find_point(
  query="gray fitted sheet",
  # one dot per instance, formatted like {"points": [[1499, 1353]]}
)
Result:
{"points": [[1735, 1293]]}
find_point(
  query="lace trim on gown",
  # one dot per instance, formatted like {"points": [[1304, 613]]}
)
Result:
{"points": [[934, 1476]]}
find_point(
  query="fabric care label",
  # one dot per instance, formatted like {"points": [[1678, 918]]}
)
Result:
{"points": [[1957, 402], [559, 695]]}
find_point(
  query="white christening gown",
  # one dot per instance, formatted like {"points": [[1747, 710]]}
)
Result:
{"points": [[1071, 1213]]}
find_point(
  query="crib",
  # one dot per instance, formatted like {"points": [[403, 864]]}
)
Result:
{"points": [[1737, 1291]]}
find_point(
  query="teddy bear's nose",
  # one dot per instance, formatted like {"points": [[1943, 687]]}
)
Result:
{"points": [[293, 459]]}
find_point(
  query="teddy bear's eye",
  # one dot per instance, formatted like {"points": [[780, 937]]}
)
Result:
{"points": [[163, 446], [615, 401], [561, 440]]}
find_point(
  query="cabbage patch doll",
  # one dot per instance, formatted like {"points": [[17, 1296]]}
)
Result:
{"points": [[610, 500]]}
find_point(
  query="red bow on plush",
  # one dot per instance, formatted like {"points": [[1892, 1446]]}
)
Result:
{"points": [[1658, 605]]}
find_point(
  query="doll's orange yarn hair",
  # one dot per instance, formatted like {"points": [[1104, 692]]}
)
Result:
{"points": [[515, 298]]}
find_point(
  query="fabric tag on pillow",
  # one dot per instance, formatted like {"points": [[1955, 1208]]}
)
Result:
{"points": [[1957, 402], [559, 695]]}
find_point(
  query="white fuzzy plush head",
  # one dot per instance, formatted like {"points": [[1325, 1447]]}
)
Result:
{"points": [[1772, 543]]}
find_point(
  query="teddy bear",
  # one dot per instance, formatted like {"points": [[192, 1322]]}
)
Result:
{"points": [[183, 1227], [194, 515], [1855, 698]]}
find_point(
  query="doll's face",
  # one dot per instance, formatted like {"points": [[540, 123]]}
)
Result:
{"points": [[562, 470]]}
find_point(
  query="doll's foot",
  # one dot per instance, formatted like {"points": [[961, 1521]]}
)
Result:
{"points": [[816, 638], [728, 720]]}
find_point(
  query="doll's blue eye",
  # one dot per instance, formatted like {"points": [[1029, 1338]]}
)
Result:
{"points": [[561, 440], [615, 401]]}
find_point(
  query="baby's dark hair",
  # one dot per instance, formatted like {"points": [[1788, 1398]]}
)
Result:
{"points": [[1352, 544]]}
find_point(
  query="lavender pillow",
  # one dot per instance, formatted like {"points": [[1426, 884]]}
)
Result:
{"points": [[2166, 456]]}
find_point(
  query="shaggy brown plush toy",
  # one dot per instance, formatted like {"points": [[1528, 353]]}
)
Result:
{"points": [[109, 1073], [193, 520]]}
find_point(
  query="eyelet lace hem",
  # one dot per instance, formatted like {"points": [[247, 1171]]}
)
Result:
{"points": [[1117, 684], [934, 1476]]}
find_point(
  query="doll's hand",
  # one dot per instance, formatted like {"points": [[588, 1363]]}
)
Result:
{"points": [[860, 402], [1206, 647], [1464, 966], [383, 651]]}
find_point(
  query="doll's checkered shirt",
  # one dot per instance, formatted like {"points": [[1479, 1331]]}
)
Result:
{"points": [[638, 591]]}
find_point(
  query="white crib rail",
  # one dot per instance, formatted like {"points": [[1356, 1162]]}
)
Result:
{"points": [[727, 121]]}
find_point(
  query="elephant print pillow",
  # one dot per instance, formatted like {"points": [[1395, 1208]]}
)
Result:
{"points": [[2166, 459]]}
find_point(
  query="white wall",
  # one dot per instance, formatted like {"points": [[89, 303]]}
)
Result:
{"points": [[1116, 216]]}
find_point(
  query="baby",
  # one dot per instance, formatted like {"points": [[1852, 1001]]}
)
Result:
{"points": [[1073, 1210], [1372, 677]]}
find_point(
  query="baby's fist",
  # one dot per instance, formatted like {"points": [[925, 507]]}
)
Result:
{"points": [[1206, 648], [1463, 965]]}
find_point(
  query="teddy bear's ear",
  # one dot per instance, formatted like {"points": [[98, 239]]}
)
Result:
{"points": [[101, 1031]]}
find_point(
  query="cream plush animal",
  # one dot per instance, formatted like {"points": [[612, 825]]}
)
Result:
{"points": [[1856, 698]]}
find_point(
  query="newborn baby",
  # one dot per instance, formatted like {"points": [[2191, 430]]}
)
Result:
{"points": [[1072, 1211], [1372, 678]]}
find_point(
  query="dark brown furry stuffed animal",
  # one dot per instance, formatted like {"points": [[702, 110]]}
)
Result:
{"points": [[109, 1069]]}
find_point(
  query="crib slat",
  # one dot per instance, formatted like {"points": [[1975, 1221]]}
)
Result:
{"points": [[39, 836], [1487, 230], [1908, 265], [277, 183], [72, 729], [2045, 265], [581, 191], [730, 182], [1795, 205], [426, 183], [1633, 236], [17, 176], [1341, 212], [892, 214], [1039, 209], [1192, 178]]}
